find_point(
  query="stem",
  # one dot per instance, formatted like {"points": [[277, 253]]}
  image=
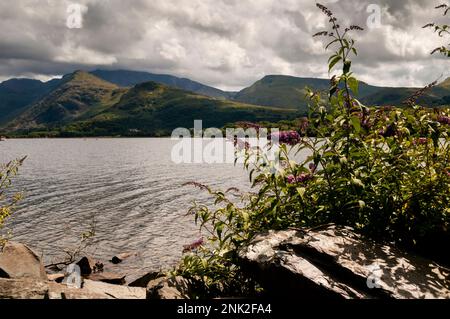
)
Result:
{"points": [[347, 93]]}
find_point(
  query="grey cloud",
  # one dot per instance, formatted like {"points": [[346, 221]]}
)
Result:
{"points": [[224, 43]]}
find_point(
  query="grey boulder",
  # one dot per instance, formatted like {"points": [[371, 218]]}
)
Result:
{"points": [[336, 263]]}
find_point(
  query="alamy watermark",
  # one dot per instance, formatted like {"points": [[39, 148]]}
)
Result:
{"points": [[212, 146], [75, 12], [73, 276], [374, 280], [374, 18]]}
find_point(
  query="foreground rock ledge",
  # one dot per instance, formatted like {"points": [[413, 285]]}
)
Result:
{"points": [[19, 261], [337, 263], [22, 276], [35, 289]]}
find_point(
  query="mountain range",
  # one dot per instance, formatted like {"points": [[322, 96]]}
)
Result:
{"points": [[130, 103], [82, 104]]}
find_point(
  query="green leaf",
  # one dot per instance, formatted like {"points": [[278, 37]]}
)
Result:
{"points": [[219, 230], [332, 91], [358, 182], [332, 57], [347, 66], [331, 43], [346, 44], [301, 191], [334, 62], [356, 123], [354, 85]]}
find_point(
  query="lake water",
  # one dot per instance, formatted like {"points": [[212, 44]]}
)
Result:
{"points": [[130, 186]]}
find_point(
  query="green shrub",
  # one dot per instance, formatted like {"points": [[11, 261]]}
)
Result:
{"points": [[7, 202], [383, 171]]}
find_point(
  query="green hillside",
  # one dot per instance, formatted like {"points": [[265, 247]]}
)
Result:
{"points": [[17, 94], [84, 105], [152, 109], [76, 95], [289, 92], [437, 96], [280, 91]]}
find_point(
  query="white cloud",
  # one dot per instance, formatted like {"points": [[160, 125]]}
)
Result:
{"points": [[70, 53], [172, 50]]}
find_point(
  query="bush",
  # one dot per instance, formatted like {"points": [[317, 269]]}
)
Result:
{"points": [[383, 171], [7, 203]]}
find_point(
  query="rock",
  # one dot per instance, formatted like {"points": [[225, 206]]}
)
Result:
{"points": [[19, 261], [72, 276], [168, 288], [114, 291], [88, 266], [336, 263], [61, 291], [121, 257], [143, 280], [108, 277], [56, 277], [3, 274], [36, 289], [28, 288]]}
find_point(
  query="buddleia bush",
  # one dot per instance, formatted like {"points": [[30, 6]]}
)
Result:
{"points": [[385, 171], [7, 201]]}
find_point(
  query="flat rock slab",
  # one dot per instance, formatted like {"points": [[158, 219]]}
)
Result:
{"points": [[37, 289], [114, 291], [337, 263], [19, 261], [23, 289], [168, 288]]}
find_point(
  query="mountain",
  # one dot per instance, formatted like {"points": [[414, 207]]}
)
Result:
{"points": [[281, 91], [437, 96], [84, 105], [126, 78], [74, 95], [17, 94], [289, 92]]}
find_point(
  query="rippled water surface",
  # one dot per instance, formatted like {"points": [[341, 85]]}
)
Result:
{"points": [[130, 186]]}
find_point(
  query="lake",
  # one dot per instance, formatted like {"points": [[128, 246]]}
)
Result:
{"points": [[130, 187]]}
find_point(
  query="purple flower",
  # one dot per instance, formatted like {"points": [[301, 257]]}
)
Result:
{"points": [[291, 179], [420, 141], [286, 137], [240, 144], [444, 119], [302, 178]]}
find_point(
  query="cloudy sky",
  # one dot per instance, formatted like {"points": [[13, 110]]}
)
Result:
{"points": [[224, 43]]}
